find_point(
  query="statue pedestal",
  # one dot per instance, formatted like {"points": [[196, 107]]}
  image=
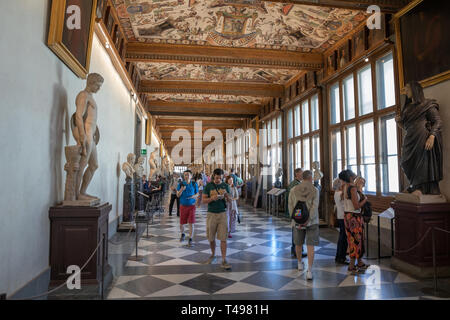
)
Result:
{"points": [[128, 200], [139, 198], [412, 221], [74, 235]]}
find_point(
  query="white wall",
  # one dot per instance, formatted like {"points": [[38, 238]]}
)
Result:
{"points": [[38, 98], [440, 92]]}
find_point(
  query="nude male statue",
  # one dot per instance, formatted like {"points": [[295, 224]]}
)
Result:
{"points": [[86, 134]]}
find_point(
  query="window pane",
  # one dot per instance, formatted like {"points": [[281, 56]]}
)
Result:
{"points": [[365, 90], [336, 154], [297, 120], [289, 124], [305, 117], [291, 162], [298, 154], [316, 148], [385, 82], [306, 155], [389, 155], [368, 170], [279, 129], [274, 131], [349, 98], [315, 113], [269, 134], [350, 148], [334, 100]]}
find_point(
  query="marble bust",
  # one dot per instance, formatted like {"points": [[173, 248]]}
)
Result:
{"points": [[139, 167], [128, 167], [317, 174]]}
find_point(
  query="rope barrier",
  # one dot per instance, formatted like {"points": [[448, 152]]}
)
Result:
{"points": [[439, 229], [417, 244], [65, 282]]}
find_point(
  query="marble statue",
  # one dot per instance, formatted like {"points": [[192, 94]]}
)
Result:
{"points": [[152, 163], [128, 167], [139, 167], [421, 158], [317, 174], [82, 161]]}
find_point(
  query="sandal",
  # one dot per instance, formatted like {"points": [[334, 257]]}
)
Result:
{"points": [[363, 266]]}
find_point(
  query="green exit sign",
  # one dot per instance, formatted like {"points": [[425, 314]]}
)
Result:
{"points": [[144, 152]]}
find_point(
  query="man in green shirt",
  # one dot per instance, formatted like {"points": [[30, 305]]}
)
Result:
{"points": [[216, 194]]}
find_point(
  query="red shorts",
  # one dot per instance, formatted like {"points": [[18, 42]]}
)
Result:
{"points": [[187, 214]]}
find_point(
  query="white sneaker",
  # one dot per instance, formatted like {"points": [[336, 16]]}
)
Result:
{"points": [[309, 275], [301, 266]]}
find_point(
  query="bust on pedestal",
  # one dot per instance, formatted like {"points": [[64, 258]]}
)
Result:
{"points": [[139, 185], [128, 189], [422, 205]]}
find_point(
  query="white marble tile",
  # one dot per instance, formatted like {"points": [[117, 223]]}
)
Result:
{"points": [[177, 252], [263, 250], [124, 279], [253, 240], [117, 293], [241, 287], [175, 262]]}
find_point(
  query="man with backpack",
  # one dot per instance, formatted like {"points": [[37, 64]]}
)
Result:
{"points": [[304, 208], [187, 191]]}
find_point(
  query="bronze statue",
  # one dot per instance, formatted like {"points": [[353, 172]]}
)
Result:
{"points": [[422, 145]]}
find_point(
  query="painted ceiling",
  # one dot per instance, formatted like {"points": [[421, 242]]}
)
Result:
{"points": [[193, 72], [236, 23], [198, 98]]}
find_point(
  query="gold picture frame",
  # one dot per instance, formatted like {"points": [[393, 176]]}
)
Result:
{"points": [[396, 20], [73, 47]]}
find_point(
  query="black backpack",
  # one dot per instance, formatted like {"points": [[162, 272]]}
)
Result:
{"points": [[301, 213], [366, 212]]}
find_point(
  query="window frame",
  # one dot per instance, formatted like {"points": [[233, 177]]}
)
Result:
{"points": [[295, 140], [376, 115]]}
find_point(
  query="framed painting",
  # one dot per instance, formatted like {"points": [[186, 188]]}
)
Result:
{"points": [[344, 55], [71, 32], [423, 45], [359, 43], [331, 63]]}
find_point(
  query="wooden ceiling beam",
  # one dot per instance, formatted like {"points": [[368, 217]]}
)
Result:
{"points": [[204, 87], [387, 6], [224, 56], [235, 110], [180, 123]]}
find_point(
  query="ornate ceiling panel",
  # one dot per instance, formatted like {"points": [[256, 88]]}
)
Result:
{"points": [[194, 72], [198, 98], [236, 23]]}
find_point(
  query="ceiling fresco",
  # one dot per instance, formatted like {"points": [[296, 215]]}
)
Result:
{"points": [[193, 72], [211, 98], [236, 23]]}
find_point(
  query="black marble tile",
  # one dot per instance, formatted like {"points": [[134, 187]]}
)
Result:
{"points": [[156, 247], [268, 280], [159, 239], [145, 286], [155, 259], [246, 256], [238, 245], [208, 283], [199, 257], [327, 252], [267, 236]]}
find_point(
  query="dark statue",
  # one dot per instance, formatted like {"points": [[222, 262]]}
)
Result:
{"points": [[422, 145]]}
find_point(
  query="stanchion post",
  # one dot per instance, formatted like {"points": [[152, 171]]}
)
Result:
{"points": [[103, 265], [433, 239]]}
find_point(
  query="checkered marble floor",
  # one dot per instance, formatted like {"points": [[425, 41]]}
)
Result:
{"points": [[262, 267]]}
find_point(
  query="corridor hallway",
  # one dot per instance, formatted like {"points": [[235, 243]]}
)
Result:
{"points": [[262, 267]]}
